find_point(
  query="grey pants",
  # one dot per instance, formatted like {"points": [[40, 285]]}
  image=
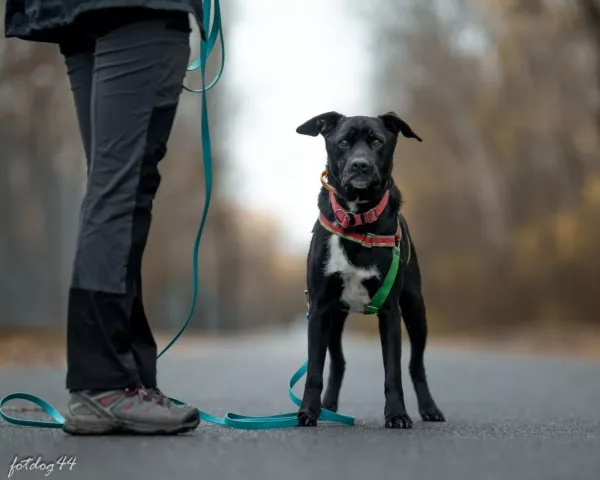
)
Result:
{"points": [[126, 80]]}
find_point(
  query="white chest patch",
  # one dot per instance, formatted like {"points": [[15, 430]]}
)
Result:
{"points": [[354, 293], [352, 207]]}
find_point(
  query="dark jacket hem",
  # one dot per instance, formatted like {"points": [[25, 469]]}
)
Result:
{"points": [[56, 26]]}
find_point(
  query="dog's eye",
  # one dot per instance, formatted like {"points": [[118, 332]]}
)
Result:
{"points": [[344, 144], [376, 143]]}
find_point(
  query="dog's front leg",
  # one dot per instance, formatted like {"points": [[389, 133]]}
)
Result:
{"points": [[319, 326], [337, 365], [390, 333]]}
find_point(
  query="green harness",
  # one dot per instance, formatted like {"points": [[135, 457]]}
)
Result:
{"points": [[369, 241], [388, 282]]}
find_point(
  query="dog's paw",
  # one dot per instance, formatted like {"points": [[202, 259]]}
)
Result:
{"points": [[331, 406], [306, 420], [432, 414], [399, 421]]}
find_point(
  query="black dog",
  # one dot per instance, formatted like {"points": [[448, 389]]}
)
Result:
{"points": [[363, 205]]}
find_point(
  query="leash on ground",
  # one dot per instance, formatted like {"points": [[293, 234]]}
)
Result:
{"points": [[283, 420]]}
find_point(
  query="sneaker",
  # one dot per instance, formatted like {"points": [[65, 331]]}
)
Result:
{"points": [[125, 411]]}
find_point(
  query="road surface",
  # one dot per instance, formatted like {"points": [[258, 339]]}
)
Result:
{"points": [[509, 417]]}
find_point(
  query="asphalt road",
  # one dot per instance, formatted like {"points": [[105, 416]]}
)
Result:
{"points": [[509, 417]]}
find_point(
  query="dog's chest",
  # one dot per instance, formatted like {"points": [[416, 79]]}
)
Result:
{"points": [[354, 294]]}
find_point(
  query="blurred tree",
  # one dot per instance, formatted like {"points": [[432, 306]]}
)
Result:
{"points": [[504, 94], [590, 11]]}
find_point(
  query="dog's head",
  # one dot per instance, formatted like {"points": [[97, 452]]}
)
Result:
{"points": [[360, 150]]}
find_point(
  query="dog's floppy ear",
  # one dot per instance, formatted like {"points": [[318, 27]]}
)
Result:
{"points": [[322, 124], [396, 125]]}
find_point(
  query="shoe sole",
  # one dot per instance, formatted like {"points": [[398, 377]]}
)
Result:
{"points": [[103, 428]]}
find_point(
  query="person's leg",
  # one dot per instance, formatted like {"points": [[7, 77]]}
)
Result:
{"points": [[97, 345], [136, 83], [79, 59], [159, 129], [138, 73]]}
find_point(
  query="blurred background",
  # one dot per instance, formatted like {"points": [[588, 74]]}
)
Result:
{"points": [[503, 195]]}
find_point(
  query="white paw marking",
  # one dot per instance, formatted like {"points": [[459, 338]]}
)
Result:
{"points": [[354, 293]]}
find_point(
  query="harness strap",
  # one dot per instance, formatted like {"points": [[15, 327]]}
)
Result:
{"points": [[367, 240], [388, 282], [406, 236], [386, 287]]}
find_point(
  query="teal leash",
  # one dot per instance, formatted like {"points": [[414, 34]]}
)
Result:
{"points": [[283, 420]]}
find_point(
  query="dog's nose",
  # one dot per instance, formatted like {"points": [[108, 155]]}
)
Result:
{"points": [[360, 165]]}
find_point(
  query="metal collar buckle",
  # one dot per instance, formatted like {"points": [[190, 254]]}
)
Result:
{"points": [[345, 221], [368, 244], [371, 216]]}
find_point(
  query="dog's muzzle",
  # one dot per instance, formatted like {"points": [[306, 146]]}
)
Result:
{"points": [[360, 173]]}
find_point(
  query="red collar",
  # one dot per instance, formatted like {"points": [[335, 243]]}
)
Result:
{"points": [[347, 219], [367, 239]]}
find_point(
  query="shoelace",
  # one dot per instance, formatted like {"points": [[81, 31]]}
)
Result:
{"points": [[149, 395], [138, 391], [159, 397]]}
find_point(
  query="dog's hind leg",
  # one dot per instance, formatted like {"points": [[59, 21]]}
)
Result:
{"points": [[337, 363], [413, 312]]}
